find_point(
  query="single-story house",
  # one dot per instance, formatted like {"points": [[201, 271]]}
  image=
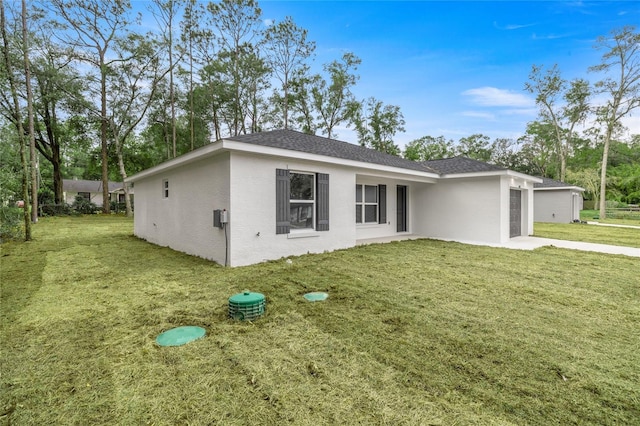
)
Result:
{"points": [[282, 193], [90, 190], [557, 201]]}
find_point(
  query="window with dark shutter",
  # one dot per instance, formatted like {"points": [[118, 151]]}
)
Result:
{"points": [[322, 202], [382, 203], [282, 201]]}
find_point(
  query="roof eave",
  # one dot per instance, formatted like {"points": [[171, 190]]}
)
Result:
{"points": [[552, 188], [490, 173]]}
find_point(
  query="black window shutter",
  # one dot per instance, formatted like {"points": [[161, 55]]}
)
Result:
{"points": [[322, 202], [382, 203], [282, 201]]}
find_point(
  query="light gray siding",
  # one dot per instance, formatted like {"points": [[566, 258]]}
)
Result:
{"points": [[558, 206]]}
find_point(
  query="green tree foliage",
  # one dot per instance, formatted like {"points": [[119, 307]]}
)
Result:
{"points": [[377, 124], [288, 48], [332, 99], [538, 156], [476, 146], [621, 84], [93, 28], [429, 148], [563, 105]]}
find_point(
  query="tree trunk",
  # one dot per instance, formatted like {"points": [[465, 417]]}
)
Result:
{"points": [[32, 135], [104, 153], [19, 127], [123, 175], [603, 173]]}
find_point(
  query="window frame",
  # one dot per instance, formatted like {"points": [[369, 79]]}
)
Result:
{"points": [[363, 203], [311, 202], [165, 188]]}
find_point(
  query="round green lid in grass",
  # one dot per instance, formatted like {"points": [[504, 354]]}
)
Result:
{"points": [[180, 335], [316, 296], [246, 298]]}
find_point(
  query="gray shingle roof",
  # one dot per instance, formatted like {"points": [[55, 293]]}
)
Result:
{"points": [[460, 164], [81, 185], [302, 142], [551, 183]]}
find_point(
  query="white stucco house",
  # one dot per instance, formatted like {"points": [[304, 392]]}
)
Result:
{"points": [[557, 201], [282, 193], [90, 190]]}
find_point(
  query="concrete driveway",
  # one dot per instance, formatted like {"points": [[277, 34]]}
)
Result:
{"points": [[531, 243]]}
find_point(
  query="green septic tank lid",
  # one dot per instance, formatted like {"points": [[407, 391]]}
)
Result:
{"points": [[246, 298], [180, 335], [316, 296]]}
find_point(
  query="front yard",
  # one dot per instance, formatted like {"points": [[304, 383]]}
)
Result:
{"points": [[415, 332]]}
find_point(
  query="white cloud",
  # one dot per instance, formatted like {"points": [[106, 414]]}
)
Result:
{"points": [[478, 114], [492, 96], [268, 22], [510, 27]]}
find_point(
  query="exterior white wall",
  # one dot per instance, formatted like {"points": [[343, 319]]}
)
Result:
{"points": [[184, 220], [252, 210], [389, 228], [96, 198], [459, 209], [474, 209], [526, 188], [557, 206]]}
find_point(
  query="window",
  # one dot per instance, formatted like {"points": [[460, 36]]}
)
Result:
{"points": [[165, 188], [366, 204], [301, 200], [85, 195]]}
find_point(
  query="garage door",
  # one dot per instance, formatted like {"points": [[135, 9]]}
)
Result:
{"points": [[515, 213]]}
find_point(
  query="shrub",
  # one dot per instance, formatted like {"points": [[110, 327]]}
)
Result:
{"points": [[83, 206], [10, 223], [51, 209]]}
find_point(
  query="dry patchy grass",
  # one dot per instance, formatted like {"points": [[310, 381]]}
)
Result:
{"points": [[417, 332]]}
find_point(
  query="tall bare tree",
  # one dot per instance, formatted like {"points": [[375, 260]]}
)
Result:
{"points": [[17, 115], [94, 26], [131, 87], [165, 13], [31, 131], [621, 58], [288, 49], [236, 24], [562, 104]]}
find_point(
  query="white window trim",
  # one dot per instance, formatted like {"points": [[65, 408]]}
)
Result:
{"points": [[293, 230], [363, 203], [165, 188]]}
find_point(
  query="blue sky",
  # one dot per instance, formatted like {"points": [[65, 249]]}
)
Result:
{"points": [[457, 68]]}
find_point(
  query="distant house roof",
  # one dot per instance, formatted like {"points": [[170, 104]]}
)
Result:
{"points": [[555, 184], [302, 142], [80, 185], [460, 164]]}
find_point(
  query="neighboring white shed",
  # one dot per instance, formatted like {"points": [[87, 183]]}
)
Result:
{"points": [[557, 201], [283, 193]]}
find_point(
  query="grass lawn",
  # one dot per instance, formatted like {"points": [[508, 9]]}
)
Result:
{"points": [[629, 237], [415, 333], [630, 218]]}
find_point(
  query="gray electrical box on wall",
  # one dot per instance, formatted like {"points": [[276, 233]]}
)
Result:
{"points": [[220, 217]]}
